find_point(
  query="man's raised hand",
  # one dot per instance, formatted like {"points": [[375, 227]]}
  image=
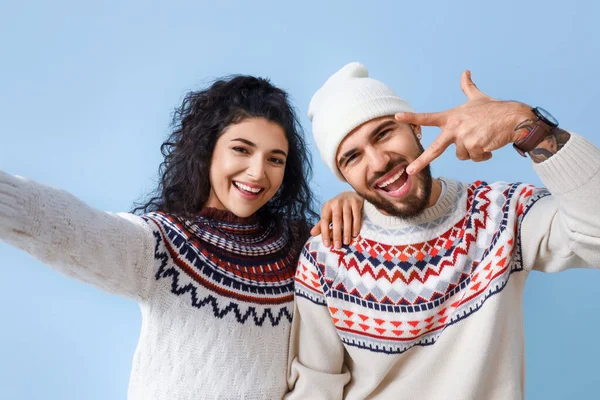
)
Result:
{"points": [[476, 128]]}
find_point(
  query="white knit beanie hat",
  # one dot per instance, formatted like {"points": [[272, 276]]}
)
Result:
{"points": [[347, 100]]}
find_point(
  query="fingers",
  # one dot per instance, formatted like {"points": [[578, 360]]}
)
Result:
{"points": [[486, 156], [323, 224], [316, 230], [325, 233], [461, 151], [469, 88], [347, 224], [473, 153], [424, 119], [436, 149], [337, 228], [481, 156], [356, 218]]}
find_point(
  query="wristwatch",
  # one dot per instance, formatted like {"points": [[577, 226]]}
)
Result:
{"points": [[542, 127]]}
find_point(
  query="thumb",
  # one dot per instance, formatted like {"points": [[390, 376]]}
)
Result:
{"points": [[469, 88]]}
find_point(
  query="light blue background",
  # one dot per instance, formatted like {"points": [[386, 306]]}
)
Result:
{"points": [[86, 93]]}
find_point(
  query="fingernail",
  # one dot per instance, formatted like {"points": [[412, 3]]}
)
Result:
{"points": [[326, 243], [410, 170], [346, 241], [338, 244], [354, 234]]}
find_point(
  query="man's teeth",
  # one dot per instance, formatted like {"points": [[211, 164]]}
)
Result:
{"points": [[392, 179], [247, 188]]}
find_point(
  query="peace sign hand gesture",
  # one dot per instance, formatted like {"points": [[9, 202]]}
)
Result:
{"points": [[478, 127]]}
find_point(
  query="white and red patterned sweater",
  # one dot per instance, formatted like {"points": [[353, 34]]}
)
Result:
{"points": [[431, 307], [216, 292]]}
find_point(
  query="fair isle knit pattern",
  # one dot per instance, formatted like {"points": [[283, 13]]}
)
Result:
{"points": [[215, 291], [431, 307], [389, 291], [230, 265]]}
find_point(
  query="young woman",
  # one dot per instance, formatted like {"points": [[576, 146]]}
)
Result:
{"points": [[210, 258]]}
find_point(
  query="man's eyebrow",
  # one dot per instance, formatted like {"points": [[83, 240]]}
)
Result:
{"points": [[346, 155], [381, 127], [375, 131], [251, 144]]}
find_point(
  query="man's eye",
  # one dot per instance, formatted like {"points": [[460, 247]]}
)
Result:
{"points": [[351, 158], [383, 134]]}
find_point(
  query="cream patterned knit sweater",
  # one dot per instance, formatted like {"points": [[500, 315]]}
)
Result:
{"points": [[215, 292], [431, 308]]}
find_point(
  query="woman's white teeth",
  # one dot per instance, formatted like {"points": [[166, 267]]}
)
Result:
{"points": [[392, 179], [247, 188]]}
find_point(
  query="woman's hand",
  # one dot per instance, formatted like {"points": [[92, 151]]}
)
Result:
{"points": [[16, 217], [341, 218]]}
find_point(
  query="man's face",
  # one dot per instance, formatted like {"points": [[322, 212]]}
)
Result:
{"points": [[373, 157]]}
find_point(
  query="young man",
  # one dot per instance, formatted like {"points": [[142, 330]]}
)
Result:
{"points": [[426, 302]]}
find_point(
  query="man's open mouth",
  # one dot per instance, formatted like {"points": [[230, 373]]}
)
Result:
{"points": [[395, 183]]}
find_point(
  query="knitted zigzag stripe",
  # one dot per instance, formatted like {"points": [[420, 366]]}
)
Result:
{"points": [[247, 270], [389, 298]]}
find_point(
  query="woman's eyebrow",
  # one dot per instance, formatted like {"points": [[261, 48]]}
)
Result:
{"points": [[251, 144]]}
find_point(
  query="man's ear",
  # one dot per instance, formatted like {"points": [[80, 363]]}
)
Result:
{"points": [[416, 130]]}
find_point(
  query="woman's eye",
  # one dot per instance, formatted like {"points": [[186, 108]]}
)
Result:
{"points": [[240, 150], [278, 161]]}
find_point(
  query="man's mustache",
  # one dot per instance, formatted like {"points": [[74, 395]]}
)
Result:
{"points": [[388, 167]]}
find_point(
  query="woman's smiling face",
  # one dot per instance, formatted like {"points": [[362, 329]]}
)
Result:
{"points": [[247, 166]]}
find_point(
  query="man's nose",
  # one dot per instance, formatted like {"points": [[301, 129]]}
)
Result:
{"points": [[377, 160]]}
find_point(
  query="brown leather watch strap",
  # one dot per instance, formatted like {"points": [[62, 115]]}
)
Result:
{"points": [[532, 139]]}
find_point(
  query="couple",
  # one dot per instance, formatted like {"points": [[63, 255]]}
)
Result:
{"points": [[424, 302]]}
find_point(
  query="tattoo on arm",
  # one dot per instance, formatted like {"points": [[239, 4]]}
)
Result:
{"points": [[551, 145], [526, 127], [548, 147]]}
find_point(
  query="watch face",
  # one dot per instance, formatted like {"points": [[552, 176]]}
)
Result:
{"points": [[546, 116]]}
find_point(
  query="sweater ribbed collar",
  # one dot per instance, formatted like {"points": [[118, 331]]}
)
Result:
{"points": [[250, 236], [217, 215]]}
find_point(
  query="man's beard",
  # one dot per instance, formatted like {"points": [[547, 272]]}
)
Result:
{"points": [[413, 203]]}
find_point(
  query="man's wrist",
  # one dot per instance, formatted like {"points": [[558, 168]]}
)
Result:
{"points": [[522, 120], [551, 145]]}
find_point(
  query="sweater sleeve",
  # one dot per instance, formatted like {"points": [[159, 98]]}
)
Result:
{"points": [[316, 368], [562, 231], [110, 251]]}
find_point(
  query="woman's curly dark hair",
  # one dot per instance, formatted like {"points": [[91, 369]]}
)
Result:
{"points": [[203, 116]]}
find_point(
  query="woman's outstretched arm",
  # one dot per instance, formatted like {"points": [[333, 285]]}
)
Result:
{"points": [[110, 251]]}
